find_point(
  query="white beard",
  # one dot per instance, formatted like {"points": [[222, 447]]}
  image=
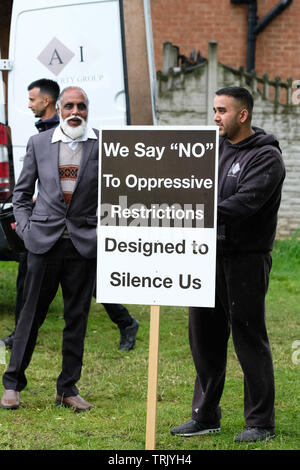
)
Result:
{"points": [[73, 132]]}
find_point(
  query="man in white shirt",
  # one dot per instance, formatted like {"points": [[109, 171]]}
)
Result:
{"points": [[59, 232]]}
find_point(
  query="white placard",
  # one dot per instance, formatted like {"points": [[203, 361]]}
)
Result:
{"points": [[157, 215]]}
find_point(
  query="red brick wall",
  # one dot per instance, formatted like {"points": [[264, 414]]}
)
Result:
{"points": [[191, 24]]}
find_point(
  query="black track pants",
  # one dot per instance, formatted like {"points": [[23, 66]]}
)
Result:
{"points": [[241, 286]]}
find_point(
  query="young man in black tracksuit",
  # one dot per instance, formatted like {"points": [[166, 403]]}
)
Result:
{"points": [[251, 174]]}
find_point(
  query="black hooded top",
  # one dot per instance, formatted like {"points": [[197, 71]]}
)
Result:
{"points": [[251, 174], [44, 125]]}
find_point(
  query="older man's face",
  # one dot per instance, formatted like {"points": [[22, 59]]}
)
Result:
{"points": [[73, 105], [73, 112]]}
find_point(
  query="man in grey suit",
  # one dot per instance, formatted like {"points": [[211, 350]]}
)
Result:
{"points": [[59, 232]]}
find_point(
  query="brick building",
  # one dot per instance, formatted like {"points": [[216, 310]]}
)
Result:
{"points": [[191, 24]]}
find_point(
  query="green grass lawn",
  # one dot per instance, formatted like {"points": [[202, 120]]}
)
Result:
{"points": [[116, 381]]}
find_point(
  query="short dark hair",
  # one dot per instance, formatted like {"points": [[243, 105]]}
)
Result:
{"points": [[239, 93], [47, 86]]}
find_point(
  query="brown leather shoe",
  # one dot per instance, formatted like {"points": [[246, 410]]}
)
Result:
{"points": [[10, 399], [76, 402]]}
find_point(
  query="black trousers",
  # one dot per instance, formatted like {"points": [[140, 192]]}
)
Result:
{"points": [[22, 270], [65, 266], [241, 286], [116, 312]]}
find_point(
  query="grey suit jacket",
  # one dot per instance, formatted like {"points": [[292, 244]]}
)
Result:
{"points": [[41, 224]]}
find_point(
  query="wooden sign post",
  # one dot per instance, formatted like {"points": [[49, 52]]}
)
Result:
{"points": [[152, 377], [141, 113]]}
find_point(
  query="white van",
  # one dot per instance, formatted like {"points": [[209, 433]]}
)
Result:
{"points": [[77, 43]]}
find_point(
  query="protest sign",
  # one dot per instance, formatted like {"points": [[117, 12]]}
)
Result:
{"points": [[157, 215]]}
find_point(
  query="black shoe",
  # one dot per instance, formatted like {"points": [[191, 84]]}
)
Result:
{"points": [[128, 336], [253, 434], [9, 340], [194, 428]]}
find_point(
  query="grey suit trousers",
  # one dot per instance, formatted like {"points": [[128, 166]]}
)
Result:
{"points": [[63, 265]]}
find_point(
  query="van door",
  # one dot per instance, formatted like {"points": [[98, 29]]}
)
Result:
{"points": [[74, 43], [4, 157]]}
